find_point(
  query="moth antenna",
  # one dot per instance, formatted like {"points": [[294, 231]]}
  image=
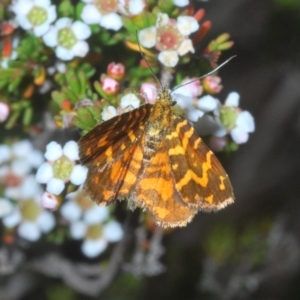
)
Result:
{"points": [[207, 74], [144, 58]]}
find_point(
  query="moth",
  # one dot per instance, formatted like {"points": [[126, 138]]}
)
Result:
{"points": [[153, 157]]}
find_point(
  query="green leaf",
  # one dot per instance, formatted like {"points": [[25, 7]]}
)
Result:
{"points": [[58, 97], [27, 116]]}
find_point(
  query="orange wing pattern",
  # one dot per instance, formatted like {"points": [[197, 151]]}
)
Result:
{"points": [[113, 164], [156, 192], [199, 177]]}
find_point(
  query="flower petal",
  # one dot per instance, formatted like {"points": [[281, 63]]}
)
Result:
{"points": [[22, 148], [46, 221], [70, 150], [81, 30], [29, 188], [35, 158], [96, 214], [185, 47], [168, 58], [80, 49], [181, 3], [108, 113], [41, 29], [21, 167], [63, 22], [12, 219], [187, 25], [147, 37], [111, 21], [29, 231], [78, 230], [71, 211], [92, 248], [130, 100], [53, 151], [55, 186], [239, 135], [78, 175], [5, 153], [113, 231], [207, 103], [64, 53], [6, 207], [24, 22], [91, 15], [44, 173], [184, 100], [232, 99], [245, 121], [50, 38], [162, 20], [194, 114]]}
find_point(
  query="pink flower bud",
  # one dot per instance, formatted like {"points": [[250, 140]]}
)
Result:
{"points": [[49, 201], [4, 111], [110, 86], [212, 84], [194, 86], [150, 92], [116, 71]]}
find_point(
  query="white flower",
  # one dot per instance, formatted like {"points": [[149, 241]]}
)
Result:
{"points": [[244, 125], [131, 7], [98, 12], [25, 150], [34, 15], [61, 167], [31, 219], [170, 37], [69, 38], [17, 161], [110, 232], [91, 223], [241, 123], [27, 188], [130, 100], [108, 112]]}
